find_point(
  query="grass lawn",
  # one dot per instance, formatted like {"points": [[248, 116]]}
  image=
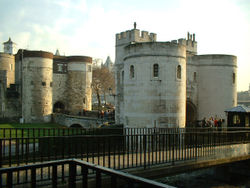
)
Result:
{"points": [[31, 125], [15, 130]]}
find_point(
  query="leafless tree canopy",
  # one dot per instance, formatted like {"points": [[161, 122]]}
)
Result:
{"points": [[102, 80]]}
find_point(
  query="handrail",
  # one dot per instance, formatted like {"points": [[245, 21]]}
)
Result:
{"points": [[73, 163]]}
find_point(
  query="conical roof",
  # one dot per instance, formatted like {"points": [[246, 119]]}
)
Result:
{"points": [[108, 61], [57, 52]]}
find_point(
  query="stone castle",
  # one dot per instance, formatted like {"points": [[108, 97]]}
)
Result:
{"points": [[166, 84], [34, 84]]}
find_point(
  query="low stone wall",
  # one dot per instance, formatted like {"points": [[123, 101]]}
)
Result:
{"points": [[69, 120], [235, 150]]}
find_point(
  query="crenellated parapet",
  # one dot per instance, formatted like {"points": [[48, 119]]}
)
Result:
{"points": [[190, 43], [135, 35]]}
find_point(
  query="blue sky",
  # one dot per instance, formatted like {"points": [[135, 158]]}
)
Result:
{"points": [[88, 27]]}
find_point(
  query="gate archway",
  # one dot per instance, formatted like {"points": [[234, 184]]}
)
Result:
{"points": [[59, 107], [191, 114]]}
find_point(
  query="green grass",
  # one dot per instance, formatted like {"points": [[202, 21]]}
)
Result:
{"points": [[33, 130], [31, 125]]}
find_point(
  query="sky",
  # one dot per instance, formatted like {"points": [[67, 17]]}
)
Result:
{"points": [[88, 27]]}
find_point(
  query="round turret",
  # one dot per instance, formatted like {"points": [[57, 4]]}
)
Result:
{"points": [[79, 83], [217, 84], [37, 86], [154, 85]]}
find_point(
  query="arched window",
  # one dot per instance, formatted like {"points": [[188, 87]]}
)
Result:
{"points": [[132, 71], [156, 70], [179, 72]]}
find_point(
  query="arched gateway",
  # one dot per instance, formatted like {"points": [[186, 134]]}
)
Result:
{"points": [[59, 107], [191, 114]]}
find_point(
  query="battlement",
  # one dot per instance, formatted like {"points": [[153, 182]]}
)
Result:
{"points": [[190, 43], [134, 35]]}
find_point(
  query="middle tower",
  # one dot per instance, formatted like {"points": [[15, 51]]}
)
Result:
{"points": [[150, 80]]}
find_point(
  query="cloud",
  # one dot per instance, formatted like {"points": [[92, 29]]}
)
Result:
{"points": [[81, 27], [68, 5]]}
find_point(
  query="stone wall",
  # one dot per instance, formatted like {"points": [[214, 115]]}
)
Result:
{"points": [[69, 120], [60, 89]]}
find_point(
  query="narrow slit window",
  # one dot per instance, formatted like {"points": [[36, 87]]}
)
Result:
{"points": [[156, 70], [179, 72], [233, 78], [195, 77], [132, 71], [122, 76]]}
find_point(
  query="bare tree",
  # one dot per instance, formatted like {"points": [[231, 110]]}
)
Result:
{"points": [[102, 81]]}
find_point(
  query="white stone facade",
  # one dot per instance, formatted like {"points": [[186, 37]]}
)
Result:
{"points": [[166, 84]]}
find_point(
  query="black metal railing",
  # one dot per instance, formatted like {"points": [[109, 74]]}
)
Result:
{"points": [[71, 173], [120, 151], [42, 132]]}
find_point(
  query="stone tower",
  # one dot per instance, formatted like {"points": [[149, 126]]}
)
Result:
{"points": [[36, 69], [79, 83], [123, 39], [7, 68], [145, 72]]}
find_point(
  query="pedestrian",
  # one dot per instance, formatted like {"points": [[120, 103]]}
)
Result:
{"points": [[211, 122], [203, 123], [102, 114], [215, 122]]}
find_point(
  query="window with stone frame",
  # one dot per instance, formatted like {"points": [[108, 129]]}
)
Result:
{"points": [[155, 70], [43, 83], [179, 72], [132, 71]]}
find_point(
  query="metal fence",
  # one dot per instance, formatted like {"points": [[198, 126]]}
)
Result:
{"points": [[119, 151], [70, 173], [41, 132]]}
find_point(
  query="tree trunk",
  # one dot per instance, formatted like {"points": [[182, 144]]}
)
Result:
{"points": [[104, 95], [99, 99]]}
